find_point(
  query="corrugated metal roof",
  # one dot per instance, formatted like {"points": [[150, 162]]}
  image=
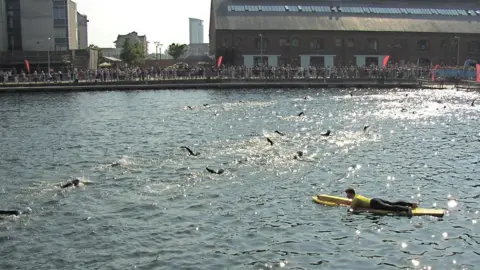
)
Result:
{"points": [[225, 20], [346, 23]]}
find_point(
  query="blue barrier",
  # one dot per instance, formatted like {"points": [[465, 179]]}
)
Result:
{"points": [[455, 73]]}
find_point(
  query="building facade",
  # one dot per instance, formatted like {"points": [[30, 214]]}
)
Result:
{"points": [[3, 26], [134, 38], [38, 25], [195, 30], [317, 33], [82, 26]]}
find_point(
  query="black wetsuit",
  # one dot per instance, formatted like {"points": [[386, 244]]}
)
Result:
{"points": [[399, 206]]}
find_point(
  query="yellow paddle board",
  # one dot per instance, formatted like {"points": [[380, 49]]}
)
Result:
{"points": [[340, 201]]}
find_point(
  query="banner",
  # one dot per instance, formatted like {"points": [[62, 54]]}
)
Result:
{"points": [[385, 60], [219, 61], [27, 66], [478, 72], [433, 72]]}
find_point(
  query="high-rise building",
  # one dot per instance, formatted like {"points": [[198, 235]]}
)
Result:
{"points": [[38, 25], [196, 30], [82, 24], [3, 26]]}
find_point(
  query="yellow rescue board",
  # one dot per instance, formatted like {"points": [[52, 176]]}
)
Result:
{"points": [[340, 201]]}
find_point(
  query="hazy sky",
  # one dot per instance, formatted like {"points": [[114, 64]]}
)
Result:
{"points": [[161, 20]]}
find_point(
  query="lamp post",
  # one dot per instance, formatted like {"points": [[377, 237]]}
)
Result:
{"points": [[261, 48], [156, 49], [38, 59], [158, 44], [458, 50], [48, 55]]}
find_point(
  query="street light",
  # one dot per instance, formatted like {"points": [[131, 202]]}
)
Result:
{"points": [[48, 55], [458, 50], [261, 48], [158, 44]]}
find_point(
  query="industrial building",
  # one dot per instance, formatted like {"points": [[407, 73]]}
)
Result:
{"points": [[350, 32]]}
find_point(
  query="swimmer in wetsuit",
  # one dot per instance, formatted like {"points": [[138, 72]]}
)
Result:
{"points": [[74, 183], [359, 201]]}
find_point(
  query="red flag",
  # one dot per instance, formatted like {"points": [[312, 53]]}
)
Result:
{"points": [[433, 72], [385, 60], [27, 66], [478, 72], [219, 61]]}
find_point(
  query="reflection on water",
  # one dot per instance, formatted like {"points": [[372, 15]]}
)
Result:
{"points": [[149, 204]]}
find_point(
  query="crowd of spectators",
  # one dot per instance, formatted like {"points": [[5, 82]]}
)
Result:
{"points": [[184, 72]]}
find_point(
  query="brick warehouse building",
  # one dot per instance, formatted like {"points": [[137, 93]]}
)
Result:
{"points": [[361, 32]]}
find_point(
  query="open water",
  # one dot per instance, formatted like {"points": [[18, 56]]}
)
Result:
{"points": [[161, 209]]}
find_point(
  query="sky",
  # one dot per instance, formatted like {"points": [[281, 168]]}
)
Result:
{"points": [[165, 21]]}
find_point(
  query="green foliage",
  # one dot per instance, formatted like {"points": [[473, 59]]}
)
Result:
{"points": [[132, 53], [175, 50]]}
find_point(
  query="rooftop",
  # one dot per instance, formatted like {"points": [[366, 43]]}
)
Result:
{"points": [[230, 15]]}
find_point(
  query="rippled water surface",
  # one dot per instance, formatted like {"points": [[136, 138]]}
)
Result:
{"points": [[161, 209]]}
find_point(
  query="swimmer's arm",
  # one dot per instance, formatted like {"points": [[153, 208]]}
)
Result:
{"points": [[67, 185]]}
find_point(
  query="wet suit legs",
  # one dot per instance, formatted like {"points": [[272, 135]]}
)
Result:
{"points": [[399, 206]]}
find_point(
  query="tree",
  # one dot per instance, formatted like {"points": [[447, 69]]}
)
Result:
{"points": [[176, 50], [132, 54], [98, 49]]}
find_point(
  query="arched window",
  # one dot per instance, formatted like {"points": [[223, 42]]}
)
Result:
{"points": [[474, 47], [372, 44], [317, 44]]}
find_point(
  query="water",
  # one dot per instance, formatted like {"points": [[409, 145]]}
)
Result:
{"points": [[162, 210]]}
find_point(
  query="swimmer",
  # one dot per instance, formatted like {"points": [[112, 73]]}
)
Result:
{"points": [[270, 141], [74, 183], [10, 212], [190, 151], [215, 172], [298, 155], [279, 133], [361, 202], [403, 110], [326, 134], [115, 164]]}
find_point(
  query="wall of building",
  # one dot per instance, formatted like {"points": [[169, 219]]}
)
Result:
{"points": [[37, 25], [82, 25], [3, 27], [402, 47], [72, 26]]}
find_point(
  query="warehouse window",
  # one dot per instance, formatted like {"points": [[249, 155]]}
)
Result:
{"points": [[350, 42], [423, 45], [295, 42], [474, 47], [317, 44], [372, 44], [261, 43], [443, 44]]}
